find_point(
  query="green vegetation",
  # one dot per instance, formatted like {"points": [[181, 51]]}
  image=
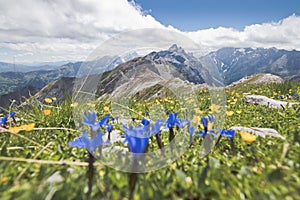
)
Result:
{"points": [[268, 168]]}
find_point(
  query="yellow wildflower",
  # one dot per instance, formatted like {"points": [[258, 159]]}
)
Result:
{"points": [[106, 108], [233, 102], [91, 105], [210, 125], [54, 98], [3, 179], [14, 130], [196, 119], [229, 113], [101, 172], [28, 127], [198, 111], [214, 108], [238, 111], [188, 180], [48, 100], [248, 136], [74, 105], [47, 112]]}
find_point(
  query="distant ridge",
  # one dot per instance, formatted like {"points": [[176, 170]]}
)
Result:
{"points": [[232, 63]]}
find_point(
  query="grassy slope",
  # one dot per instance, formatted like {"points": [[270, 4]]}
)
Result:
{"points": [[265, 169]]}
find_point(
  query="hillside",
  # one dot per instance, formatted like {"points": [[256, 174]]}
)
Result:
{"points": [[236, 63]]}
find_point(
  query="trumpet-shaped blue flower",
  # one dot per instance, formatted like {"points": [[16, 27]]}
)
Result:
{"points": [[191, 130], [156, 128], [211, 118], [11, 114], [3, 120], [90, 120], [173, 120], [227, 133], [202, 133], [86, 142], [204, 121], [137, 138], [108, 127], [145, 122]]}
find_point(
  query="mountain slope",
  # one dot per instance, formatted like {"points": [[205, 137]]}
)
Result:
{"points": [[156, 68], [236, 63]]}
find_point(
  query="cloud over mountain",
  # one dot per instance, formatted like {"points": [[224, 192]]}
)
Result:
{"points": [[35, 30]]}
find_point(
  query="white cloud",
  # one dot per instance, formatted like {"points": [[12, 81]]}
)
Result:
{"points": [[283, 34], [44, 30], [68, 26]]}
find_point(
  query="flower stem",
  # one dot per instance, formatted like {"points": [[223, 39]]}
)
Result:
{"points": [[171, 134], [133, 179], [132, 183], [159, 142], [90, 173], [232, 146]]}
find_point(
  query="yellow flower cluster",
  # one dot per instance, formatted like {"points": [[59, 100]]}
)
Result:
{"points": [[17, 129], [248, 136], [50, 100]]}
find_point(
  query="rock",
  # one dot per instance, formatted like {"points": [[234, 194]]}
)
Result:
{"points": [[55, 178], [265, 101], [257, 79], [262, 132]]}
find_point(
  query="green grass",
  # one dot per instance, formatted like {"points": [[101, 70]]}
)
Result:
{"points": [[268, 168]]}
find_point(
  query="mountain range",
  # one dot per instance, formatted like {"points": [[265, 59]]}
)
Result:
{"points": [[133, 74], [236, 63]]}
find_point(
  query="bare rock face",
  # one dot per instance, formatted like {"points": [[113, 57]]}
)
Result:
{"points": [[257, 79], [267, 78], [265, 101]]}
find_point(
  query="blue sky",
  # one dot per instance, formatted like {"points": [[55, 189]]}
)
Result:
{"points": [[192, 15], [34, 31]]}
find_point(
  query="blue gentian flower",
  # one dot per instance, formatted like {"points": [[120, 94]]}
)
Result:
{"points": [[155, 129], [3, 120], [211, 118], [108, 127], [202, 133], [11, 114], [191, 130], [137, 138], [145, 122], [228, 133], [90, 120], [103, 120], [204, 121], [173, 120], [86, 142], [281, 97]]}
